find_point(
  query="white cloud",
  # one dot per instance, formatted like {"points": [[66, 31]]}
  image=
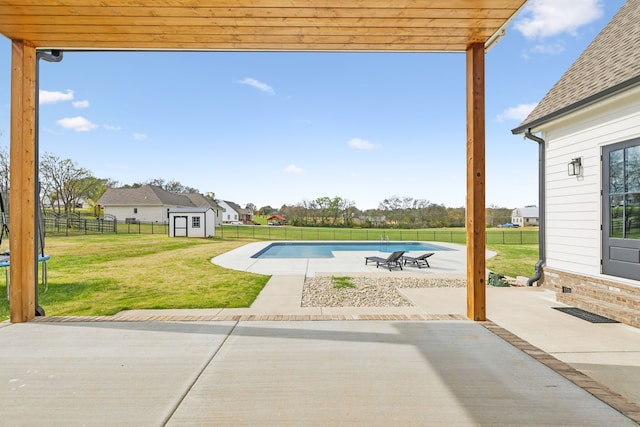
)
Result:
{"points": [[81, 104], [79, 124], [361, 144], [519, 112], [293, 169], [48, 97], [112, 128], [554, 48], [140, 136], [258, 85], [547, 18]]}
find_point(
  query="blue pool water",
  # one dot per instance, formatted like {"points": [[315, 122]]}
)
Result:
{"points": [[326, 249]]}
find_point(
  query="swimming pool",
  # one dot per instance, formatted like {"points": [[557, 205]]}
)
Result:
{"points": [[326, 249]]}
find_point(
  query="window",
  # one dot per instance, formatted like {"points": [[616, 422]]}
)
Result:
{"points": [[135, 210], [621, 209], [195, 222], [624, 193]]}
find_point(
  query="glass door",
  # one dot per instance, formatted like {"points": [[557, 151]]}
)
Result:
{"points": [[621, 210]]}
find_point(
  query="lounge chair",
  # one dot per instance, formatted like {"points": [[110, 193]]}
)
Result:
{"points": [[394, 260], [419, 261]]}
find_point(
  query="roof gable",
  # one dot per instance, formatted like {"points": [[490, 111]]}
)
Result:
{"points": [[528, 212], [609, 64], [233, 206]]}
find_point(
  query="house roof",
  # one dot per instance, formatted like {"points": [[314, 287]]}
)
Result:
{"points": [[611, 63], [233, 206], [293, 25], [528, 212], [201, 201], [149, 195]]}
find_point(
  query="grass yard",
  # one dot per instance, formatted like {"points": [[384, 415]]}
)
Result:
{"points": [[104, 274], [513, 260]]}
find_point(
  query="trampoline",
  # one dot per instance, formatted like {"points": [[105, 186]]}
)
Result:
{"points": [[5, 261]]}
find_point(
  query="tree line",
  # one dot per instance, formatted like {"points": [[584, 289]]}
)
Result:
{"points": [[65, 186], [395, 211]]}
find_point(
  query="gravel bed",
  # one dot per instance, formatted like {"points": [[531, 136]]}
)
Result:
{"points": [[368, 291]]}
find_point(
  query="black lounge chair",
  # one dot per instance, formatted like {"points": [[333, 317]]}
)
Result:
{"points": [[419, 261], [394, 260]]}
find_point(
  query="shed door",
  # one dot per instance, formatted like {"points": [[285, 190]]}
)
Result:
{"points": [[621, 210], [180, 226]]}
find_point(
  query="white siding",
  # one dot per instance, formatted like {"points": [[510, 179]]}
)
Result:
{"points": [[574, 204], [228, 214], [205, 229], [144, 213]]}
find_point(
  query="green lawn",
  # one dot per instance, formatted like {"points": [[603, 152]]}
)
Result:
{"points": [[104, 274], [513, 260]]}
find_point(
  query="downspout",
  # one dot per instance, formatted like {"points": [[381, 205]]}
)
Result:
{"points": [[541, 209]]}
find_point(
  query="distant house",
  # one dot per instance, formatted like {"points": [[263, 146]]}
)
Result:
{"points": [[232, 212], [150, 203], [192, 222], [588, 131], [525, 216]]}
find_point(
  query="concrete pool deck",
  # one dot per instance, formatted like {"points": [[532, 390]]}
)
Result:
{"points": [[445, 262]]}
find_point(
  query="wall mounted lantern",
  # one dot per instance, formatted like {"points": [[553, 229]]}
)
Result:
{"points": [[575, 167]]}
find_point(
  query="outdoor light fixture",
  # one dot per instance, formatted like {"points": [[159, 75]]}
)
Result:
{"points": [[575, 166]]}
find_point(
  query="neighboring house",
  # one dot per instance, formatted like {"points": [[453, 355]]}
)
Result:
{"points": [[231, 212], [588, 131], [526, 216], [192, 222], [246, 215], [149, 203]]}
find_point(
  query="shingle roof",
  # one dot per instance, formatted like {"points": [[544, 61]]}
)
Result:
{"points": [[528, 212], [150, 195], [610, 63], [190, 210], [201, 201], [233, 206]]}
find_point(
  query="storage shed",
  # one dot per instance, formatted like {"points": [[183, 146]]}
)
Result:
{"points": [[192, 222]]}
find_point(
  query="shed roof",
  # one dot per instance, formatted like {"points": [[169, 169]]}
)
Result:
{"points": [[335, 25], [609, 64], [189, 210], [528, 212]]}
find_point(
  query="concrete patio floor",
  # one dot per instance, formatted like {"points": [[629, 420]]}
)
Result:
{"points": [[277, 363]]}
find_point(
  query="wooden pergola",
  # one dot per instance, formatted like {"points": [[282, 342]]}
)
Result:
{"points": [[469, 26]]}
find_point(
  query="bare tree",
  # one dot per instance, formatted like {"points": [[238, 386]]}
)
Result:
{"points": [[64, 181]]}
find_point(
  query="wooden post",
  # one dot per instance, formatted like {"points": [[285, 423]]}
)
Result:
{"points": [[22, 183], [476, 240]]}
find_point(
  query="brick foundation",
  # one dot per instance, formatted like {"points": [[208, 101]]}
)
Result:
{"points": [[606, 297]]}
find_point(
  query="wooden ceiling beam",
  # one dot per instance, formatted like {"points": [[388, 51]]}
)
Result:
{"points": [[253, 12], [361, 4], [52, 22], [34, 32]]}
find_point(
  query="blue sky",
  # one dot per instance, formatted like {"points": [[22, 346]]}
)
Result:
{"points": [[279, 128]]}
